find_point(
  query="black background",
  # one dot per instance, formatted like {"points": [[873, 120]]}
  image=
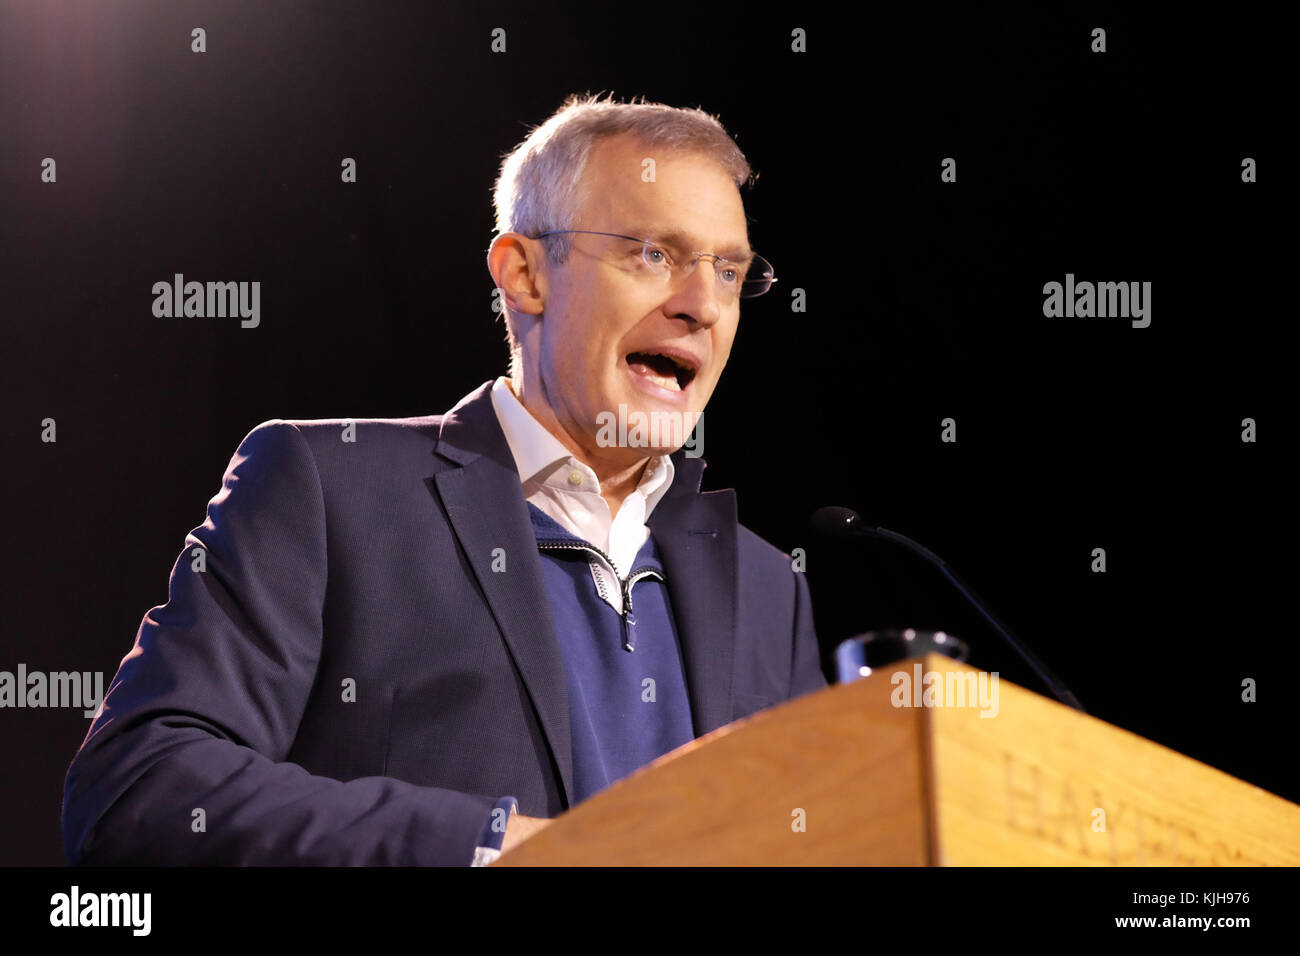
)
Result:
{"points": [[924, 301]]}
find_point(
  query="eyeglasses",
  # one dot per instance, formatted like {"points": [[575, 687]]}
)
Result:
{"points": [[742, 278]]}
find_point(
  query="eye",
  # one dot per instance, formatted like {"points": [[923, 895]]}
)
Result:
{"points": [[656, 256], [730, 275]]}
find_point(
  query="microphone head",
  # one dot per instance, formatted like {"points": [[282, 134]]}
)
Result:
{"points": [[834, 521]]}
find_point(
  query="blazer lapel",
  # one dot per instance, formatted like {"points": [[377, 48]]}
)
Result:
{"points": [[485, 503], [696, 537]]}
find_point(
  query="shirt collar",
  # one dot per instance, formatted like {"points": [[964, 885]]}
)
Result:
{"points": [[536, 450]]}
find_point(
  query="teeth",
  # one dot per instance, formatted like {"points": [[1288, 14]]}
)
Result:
{"points": [[668, 383], [663, 381]]}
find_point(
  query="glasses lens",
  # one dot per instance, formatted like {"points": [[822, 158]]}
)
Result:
{"points": [[758, 280], [659, 260]]}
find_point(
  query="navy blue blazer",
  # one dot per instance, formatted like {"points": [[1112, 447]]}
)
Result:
{"points": [[348, 681]]}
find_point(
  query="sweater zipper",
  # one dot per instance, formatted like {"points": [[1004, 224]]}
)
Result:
{"points": [[625, 586]]}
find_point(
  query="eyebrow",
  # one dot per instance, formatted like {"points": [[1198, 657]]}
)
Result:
{"points": [[681, 240]]}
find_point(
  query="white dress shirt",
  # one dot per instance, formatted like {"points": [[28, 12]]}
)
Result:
{"points": [[568, 491]]}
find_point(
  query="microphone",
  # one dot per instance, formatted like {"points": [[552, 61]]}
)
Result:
{"points": [[835, 522]]}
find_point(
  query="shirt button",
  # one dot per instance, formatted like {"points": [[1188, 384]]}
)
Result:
{"points": [[575, 477]]}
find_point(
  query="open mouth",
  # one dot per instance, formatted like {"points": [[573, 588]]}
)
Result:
{"points": [[662, 370]]}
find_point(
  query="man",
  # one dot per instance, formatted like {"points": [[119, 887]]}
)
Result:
{"points": [[414, 641]]}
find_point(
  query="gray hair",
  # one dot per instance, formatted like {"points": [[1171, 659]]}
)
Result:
{"points": [[540, 184]]}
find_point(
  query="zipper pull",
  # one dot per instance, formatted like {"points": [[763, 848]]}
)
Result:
{"points": [[629, 622]]}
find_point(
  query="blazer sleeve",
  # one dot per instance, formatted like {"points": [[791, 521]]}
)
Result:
{"points": [[186, 762], [805, 666]]}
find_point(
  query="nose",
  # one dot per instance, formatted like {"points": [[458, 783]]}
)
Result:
{"points": [[697, 297]]}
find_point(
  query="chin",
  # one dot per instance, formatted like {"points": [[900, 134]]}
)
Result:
{"points": [[647, 425]]}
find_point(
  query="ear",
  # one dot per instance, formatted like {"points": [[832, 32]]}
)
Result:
{"points": [[517, 266]]}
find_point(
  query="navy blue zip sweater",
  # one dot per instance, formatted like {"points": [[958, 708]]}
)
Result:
{"points": [[628, 702]]}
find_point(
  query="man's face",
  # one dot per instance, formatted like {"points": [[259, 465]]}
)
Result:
{"points": [[604, 322]]}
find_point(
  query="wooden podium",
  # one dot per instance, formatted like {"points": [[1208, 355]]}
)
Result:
{"points": [[867, 774]]}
